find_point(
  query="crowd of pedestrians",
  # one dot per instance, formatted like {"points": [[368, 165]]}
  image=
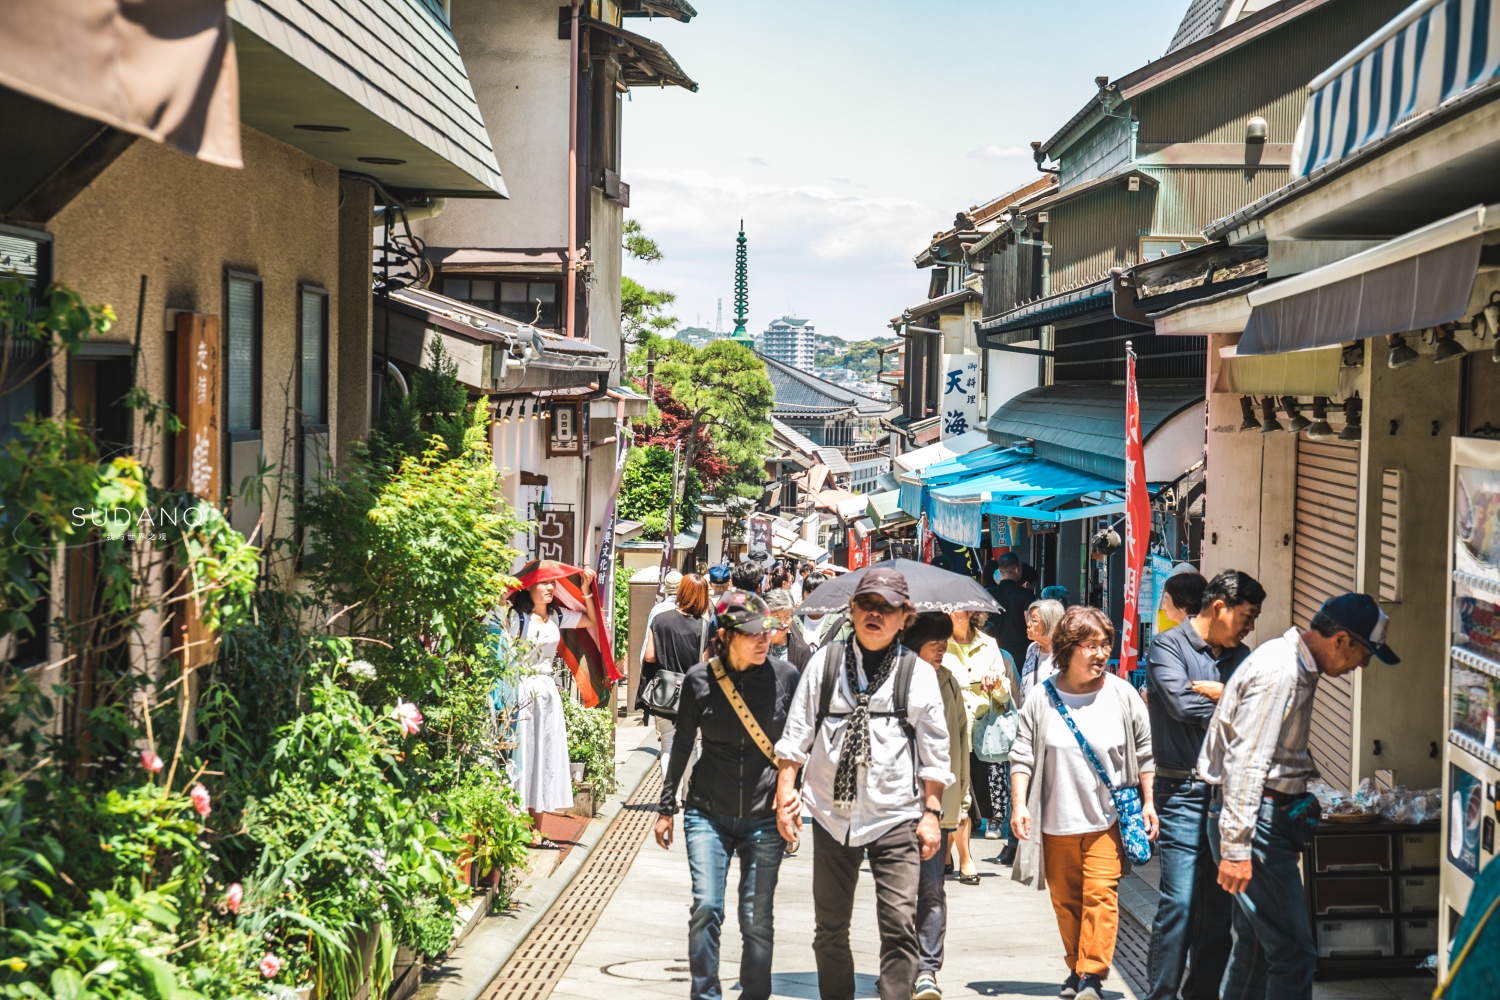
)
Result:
{"points": [[891, 739]]}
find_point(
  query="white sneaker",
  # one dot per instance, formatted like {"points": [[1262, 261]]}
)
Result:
{"points": [[926, 988]]}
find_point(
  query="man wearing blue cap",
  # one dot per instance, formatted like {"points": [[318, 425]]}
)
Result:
{"points": [[718, 581], [1263, 816]]}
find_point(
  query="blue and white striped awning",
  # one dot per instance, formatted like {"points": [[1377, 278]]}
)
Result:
{"points": [[1432, 53]]}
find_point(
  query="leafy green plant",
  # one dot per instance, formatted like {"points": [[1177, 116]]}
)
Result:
{"points": [[646, 489], [424, 553], [591, 742], [489, 810]]}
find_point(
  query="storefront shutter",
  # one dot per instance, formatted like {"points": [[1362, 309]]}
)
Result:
{"points": [[1323, 566]]}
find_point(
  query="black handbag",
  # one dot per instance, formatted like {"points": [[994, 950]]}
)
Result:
{"points": [[661, 694]]}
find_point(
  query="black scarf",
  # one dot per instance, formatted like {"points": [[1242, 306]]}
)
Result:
{"points": [[856, 750]]}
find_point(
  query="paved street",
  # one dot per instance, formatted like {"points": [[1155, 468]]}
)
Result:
{"points": [[1002, 941]]}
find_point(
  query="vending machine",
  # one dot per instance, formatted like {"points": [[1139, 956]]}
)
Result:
{"points": [[1471, 757]]}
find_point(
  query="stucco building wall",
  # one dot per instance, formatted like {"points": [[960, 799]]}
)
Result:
{"points": [[181, 223]]}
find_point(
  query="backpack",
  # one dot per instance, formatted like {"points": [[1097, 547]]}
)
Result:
{"points": [[833, 664]]}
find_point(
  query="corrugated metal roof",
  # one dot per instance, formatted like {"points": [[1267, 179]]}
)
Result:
{"points": [[397, 59], [1200, 21], [837, 464], [1083, 425]]}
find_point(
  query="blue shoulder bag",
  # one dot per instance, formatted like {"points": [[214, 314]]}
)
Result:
{"points": [[1127, 800]]}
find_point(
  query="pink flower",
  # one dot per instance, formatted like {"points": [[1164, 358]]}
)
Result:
{"points": [[150, 761], [232, 897], [201, 801], [410, 717], [270, 965]]}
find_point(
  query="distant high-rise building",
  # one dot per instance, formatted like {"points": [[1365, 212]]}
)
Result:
{"points": [[792, 341]]}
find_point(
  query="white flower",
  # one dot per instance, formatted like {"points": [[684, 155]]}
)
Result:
{"points": [[377, 858], [362, 670]]}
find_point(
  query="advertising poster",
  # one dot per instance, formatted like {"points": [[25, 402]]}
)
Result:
{"points": [[1465, 809]]}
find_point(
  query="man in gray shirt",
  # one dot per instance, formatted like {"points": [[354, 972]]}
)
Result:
{"points": [[1263, 815], [1186, 669]]}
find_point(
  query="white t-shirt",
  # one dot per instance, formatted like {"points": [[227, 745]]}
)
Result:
{"points": [[544, 636], [1074, 800]]}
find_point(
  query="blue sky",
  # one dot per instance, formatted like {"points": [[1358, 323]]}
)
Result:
{"points": [[846, 133]]}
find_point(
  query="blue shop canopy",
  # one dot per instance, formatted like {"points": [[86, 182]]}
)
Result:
{"points": [[916, 485], [1035, 490]]}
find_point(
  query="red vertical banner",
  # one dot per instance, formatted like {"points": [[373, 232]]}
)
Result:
{"points": [[925, 539], [1137, 520]]}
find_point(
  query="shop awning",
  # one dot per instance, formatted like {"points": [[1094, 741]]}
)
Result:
{"points": [[885, 509], [916, 486], [1298, 373], [803, 549], [920, 458], [1082, 426], [1036, 490], [165, 71], [1413, 282], [1435, 51]]}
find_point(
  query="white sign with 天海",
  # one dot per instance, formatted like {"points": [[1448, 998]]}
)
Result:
{"points": [[960, 394]]}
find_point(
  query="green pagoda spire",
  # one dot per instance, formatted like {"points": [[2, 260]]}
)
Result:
{"points": [[741, 292]]}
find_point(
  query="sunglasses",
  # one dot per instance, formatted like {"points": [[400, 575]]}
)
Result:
{"points": [[871, 604]]}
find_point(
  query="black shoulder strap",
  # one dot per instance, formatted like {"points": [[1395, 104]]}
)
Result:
{"points": [[833, 659], [900, 694]]}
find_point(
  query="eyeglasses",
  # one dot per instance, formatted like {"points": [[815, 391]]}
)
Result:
{"points": [[871, 604], [1096, 647]]}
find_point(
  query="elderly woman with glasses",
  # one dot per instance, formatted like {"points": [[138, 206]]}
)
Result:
{"points": [[1063, 812]]}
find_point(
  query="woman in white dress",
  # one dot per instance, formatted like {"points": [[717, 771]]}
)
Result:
{"points": [[542, 777]]}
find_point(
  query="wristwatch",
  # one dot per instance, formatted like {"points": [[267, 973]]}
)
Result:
{"points": [[933, 812]]}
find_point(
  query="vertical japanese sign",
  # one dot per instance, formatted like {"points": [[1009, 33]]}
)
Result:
{"points": [[925, 539], [1137, 520], [604, 568], [960, 394], [199, 376]]}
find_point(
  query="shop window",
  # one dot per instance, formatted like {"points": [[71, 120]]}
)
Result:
{"points": [[312, 393], [525, 301], [530, 302], [242, 375], [26, 390], [1391, 482]]}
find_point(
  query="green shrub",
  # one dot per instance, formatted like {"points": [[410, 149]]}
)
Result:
{"points": [[591, 742]]}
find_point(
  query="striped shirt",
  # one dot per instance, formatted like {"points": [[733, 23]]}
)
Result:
{"points": [[1258, 736]]}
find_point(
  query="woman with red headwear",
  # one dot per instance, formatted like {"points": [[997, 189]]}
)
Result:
{"points": [[541, 754]]}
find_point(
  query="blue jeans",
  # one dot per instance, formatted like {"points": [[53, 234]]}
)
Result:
{"points": [[712, 840], [1273, 957], [1193, 915], [932, 910]]}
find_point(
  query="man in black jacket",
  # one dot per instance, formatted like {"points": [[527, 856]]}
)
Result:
{"points": [[731, 800], [1009, 626]]}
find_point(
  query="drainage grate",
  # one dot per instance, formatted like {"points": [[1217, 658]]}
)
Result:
{"points": [[535, 968], [1133, 952]]}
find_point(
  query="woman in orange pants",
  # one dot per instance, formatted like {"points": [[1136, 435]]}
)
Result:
{"points": [[1076, 854]]}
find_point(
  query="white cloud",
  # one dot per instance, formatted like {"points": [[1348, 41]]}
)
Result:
{"points": [[995, 151]]}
